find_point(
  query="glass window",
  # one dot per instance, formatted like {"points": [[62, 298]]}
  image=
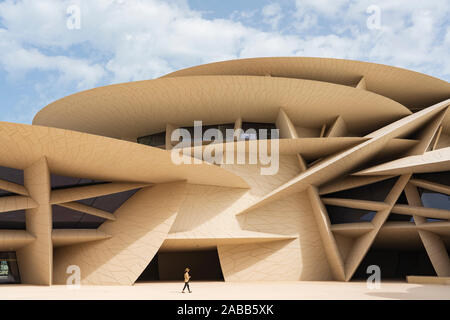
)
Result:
{"points": [[435, 200], [9, 271]]}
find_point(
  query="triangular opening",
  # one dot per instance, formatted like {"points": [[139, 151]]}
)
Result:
{"points": [[11, 175], [65, 218], [436, 177], [62, 182], [434, 200], [6, 193], [340, 215], [110, 202], [377, 191], [12, 220]]}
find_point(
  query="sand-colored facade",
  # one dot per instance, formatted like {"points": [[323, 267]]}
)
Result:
{"points": [[361, 147]]}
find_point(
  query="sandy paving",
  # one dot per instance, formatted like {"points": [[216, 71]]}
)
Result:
{"points": [[230, 290]]}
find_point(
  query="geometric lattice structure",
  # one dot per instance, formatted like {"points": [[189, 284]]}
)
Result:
{"points": [[364, 162]]}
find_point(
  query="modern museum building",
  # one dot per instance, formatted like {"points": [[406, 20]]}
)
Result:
{"points": [[331, 166]]}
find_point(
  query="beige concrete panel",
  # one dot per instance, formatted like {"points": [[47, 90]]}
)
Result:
{"points": [[339, 164], [13, 187], [268, 261], [344, 243], [433, 161], [67, 237], [421, 211], [323, 223], [350, 182], [428, 280], [143, 107], [208, 210], [294, 216], [443, 142], [361, 84], [89, 210], [433, 186], [389, 81], [287, 129], [12, 240], [142, 223], [35, 260], [12, 203], [356, 203], [304, 132], [352, 230], [338, 128], [85, 192], [77, 154]]}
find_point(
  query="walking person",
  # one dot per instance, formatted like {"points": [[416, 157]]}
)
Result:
{"points": [[187, 277]]}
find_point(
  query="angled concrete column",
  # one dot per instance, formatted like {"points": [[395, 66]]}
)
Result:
{"points": [[36, 259]]}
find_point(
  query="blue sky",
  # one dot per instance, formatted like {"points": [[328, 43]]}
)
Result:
{"points": [[42, 60]]}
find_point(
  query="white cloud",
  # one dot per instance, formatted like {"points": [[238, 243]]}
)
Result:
{"points": [[272, 14]]}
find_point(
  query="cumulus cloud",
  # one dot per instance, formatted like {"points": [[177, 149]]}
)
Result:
{"points": [[135, 39]]}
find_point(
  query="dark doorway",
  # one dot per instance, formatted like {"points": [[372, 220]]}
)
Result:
{"points": [[169, 266], [396, 265]]}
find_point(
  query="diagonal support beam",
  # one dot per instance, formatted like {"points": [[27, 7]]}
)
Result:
{"points": [[356, 204], [432, 186], [13, 187], [89, 210], [13, 203], [323, 222]]}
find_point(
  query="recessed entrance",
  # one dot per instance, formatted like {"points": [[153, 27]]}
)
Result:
{"points": [[396, 264], [169, 266]]}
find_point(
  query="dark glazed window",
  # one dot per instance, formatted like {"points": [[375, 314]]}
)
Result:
{"points": [[111, 202], [64, 218], [252, 131], [436, 177], [434, 200], [348, 215], [373, 192], [61, 182], [154, 140], [12, 220], [11, 175], [9, 270]]}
